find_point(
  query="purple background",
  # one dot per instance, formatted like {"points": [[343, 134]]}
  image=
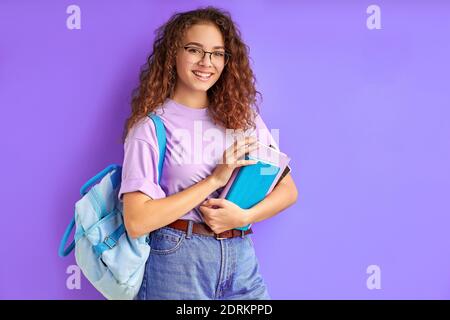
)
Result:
{"points": [[364, 114]]}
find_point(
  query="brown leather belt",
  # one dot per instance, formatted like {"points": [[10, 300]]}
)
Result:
{"points": [[204, 229]]}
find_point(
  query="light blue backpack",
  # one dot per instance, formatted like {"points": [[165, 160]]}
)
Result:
{"points": [[111, 260]]}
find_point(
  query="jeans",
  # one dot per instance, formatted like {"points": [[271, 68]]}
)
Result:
{"points": [[189, 266]]}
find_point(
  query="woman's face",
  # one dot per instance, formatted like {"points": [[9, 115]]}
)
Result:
{"points": [[197, 73]]}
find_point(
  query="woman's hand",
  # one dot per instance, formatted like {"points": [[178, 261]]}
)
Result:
{"points": [[231, 160], [222, 215]]}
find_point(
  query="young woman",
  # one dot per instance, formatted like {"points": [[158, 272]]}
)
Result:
{"points": [[198, 80]]}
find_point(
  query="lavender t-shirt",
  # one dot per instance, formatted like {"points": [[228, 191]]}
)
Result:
{"points": [[194, 147]]}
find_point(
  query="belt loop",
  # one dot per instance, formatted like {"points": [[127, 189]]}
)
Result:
{"points": [[242, 234], [189, 230]]}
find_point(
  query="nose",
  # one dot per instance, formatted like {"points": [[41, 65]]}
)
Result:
{"points": [[206, 60]]}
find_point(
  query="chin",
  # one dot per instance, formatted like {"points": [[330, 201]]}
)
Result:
{"points": [[201, 86]]}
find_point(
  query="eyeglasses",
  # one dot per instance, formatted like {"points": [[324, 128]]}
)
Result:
{"points": [[218, 58]]}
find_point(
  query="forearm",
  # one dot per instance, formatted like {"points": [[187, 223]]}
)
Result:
{"points": [[281, 197], [157, 213]]}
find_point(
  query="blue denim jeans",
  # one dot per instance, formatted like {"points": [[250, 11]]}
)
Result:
{"points": [[189, 266]]}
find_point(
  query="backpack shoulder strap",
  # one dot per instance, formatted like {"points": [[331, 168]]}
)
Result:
{"points": [[114, 237], [161, 136]]}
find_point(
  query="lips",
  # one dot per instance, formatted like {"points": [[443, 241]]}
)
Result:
{"points": [[204, 76]]}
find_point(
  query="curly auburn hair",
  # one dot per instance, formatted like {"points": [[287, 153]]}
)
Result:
{"points": [[231, 98]]}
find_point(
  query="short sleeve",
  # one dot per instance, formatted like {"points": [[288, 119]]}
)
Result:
{"points": [[263, 134], [140, 162], [268, 137]]}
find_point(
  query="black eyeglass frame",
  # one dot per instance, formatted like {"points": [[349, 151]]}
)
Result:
{"points": [[227, 55]]}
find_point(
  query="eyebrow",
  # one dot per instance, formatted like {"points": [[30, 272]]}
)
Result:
{"points": [[200, 45]]}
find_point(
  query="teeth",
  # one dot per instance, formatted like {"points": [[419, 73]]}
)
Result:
{"points": [[201, 74]]}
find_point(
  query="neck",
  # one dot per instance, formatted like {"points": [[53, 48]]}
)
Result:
{"points": [[193, 99]]}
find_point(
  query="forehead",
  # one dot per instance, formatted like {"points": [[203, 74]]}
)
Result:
{"points": [[208, 35]]}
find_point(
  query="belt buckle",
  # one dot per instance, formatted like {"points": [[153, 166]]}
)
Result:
{"points": [[216, 235]]}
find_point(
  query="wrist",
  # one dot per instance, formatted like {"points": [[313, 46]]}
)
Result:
{"points": [[212, 181], [248, 216]]}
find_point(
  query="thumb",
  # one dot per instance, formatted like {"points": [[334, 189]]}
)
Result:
{"points": [[214, 202]]}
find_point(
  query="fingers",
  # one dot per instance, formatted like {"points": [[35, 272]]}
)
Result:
{"points": [[239, 148], [245, 149], [215, 202], [240, 142], [205, 210], [210, 214], [210, 217], [241, 163]]}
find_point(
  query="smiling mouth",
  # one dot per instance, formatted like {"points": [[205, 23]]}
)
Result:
{"points": [[204, 76]]}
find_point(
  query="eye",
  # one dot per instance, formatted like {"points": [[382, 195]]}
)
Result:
{"points": [[193, 50], [219, 54]]}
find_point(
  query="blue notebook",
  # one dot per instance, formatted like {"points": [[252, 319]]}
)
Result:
{"points": [[250, 184]]}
